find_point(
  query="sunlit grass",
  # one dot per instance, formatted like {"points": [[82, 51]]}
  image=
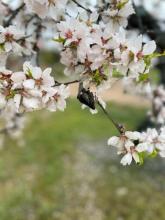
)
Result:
{"points": [[32, 177]]}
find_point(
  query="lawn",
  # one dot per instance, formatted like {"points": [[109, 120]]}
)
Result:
{"points": [[65, 171]]}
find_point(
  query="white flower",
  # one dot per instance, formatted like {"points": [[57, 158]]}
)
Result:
{"points": [[125, 144], [9, 39], [47, 8], [118, 16], [127, 158], [124, 141], [135, 45], [55, 98]]}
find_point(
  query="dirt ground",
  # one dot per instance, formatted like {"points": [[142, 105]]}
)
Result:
{"points": [[116, 94]]}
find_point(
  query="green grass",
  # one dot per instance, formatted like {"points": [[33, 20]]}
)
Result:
{"points": [[36, 179]]}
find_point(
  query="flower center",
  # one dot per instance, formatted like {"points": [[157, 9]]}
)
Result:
{"points": [[9, 37]]}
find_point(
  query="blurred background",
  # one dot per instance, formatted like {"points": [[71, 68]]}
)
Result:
{"points": [[62, 168]]}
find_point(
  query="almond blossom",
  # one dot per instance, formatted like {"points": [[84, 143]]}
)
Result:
{"points": [[9, 38], [32, 89], [133, 144], [47, 8], [117, 13], [96, 49]]}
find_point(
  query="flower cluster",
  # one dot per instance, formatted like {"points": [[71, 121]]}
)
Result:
{"points": [[98, 53], [117, 13], [9, 39], [31, 89], [47, 8], [136, 146], [96, 49]]}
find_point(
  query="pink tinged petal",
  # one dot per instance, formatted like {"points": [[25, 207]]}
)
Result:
{"points": [[113, 141], [31, 103], [61, 104], [47, 79], [35, 93], [149, 47], [37, 73], [29, 84], [18, 77], [126, 160], [26, 67]]}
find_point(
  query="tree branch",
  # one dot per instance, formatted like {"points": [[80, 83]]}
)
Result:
{"points": [[66, 83], [14, 14], [119, 127], [81, 6]]}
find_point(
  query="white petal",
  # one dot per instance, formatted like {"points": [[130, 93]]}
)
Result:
{"points": [[126, 160], [162, 153], [2, 38], [113, 141], [2, 101], [18, 77], [132, 135], [128, 144], [31, 103], [17, 101], [29, 84], [149, 47], [142, 147], [61, 104], [8, 47]]}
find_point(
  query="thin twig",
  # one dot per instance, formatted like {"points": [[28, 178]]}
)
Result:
{"points": [[81, 6], [66, 83], [119, 127], [14, 14]]}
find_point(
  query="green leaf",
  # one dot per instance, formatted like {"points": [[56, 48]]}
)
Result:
{"points": [[29, 73], [116, 73], [121, 4], [59, 40], [2, 48], [143, 77], [11, 95], [141, 159], [154, 154], [98, 77], [148, 58]]}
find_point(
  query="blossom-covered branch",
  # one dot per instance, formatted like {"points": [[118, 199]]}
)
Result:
{"points": [[96, 49]]}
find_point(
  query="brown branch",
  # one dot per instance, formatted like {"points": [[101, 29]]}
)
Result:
{"points": [[119, 127], [81, 6], [66, 83], [14, 14]]}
